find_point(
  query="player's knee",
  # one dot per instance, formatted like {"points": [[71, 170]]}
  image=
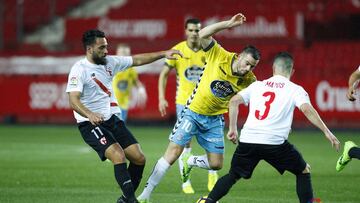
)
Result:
{"points": [[216, 166], [116, 157], [307, 169], [140, 160], [115, 154], [172, 153]]}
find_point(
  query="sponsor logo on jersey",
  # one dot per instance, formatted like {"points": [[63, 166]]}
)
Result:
{"points": [[108, 69], [221, 88], [193, 73]]}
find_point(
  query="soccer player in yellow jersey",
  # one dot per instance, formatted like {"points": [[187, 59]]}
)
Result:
{"points": [[188, 70], [225, 74], [123, 83]]}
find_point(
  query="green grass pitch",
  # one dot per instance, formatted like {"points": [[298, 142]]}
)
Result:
{"points": [[41, 164]]}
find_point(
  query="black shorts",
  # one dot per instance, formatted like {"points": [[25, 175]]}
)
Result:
{"points": [[282, 157], [107, 133]]}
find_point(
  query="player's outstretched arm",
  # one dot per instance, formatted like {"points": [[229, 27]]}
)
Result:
{"points": [[163, 104], [353, 82], [76, 105], [142, 59], [313, 116], [207, 32], [234, 103]]}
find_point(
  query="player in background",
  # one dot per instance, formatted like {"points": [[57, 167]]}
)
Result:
{"points": [[265, 132], [188, 70], [225, 74], [123, 84], [351, 150], [90, 96]]}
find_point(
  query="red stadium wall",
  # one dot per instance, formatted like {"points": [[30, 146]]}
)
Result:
{"points": [[42, 99]]}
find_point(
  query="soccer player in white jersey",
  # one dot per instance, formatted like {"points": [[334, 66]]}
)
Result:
{"points": [[265, 132], [90, 95], [351, 150]]}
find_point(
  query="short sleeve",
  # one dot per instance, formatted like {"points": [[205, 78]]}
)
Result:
{"points": [[214, 52], [172, 63], [121, 63], [75, 80], [301, 97]]}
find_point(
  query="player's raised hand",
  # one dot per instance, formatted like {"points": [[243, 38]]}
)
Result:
{"points": [[163, 104], [172, 54], [236, 20], [95, 118], [351, 94], [232, 135], [334, 141]]}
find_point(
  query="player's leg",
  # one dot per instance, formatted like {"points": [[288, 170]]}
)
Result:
{"points": [[117, 156], [101, 139], [137, 163], [243, 163], [180, 135], [350, 151], [303, 185], [287, 157], [172, 153], [211, 138], [132, 151], [186, 186]]}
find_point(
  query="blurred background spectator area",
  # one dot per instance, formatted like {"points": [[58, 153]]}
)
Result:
{"points": [[40, 39]]}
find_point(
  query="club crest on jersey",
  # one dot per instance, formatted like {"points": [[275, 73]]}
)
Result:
{"points": [[103, 141], [221, 88], [73, 81], [122, 85], [108, 69], [193, 73]]}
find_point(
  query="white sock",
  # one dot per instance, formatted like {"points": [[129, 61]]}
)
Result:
{"points": [[186, 183], [181, 165], [157, 174], [199, 161], [212, 171], [186, 150]]}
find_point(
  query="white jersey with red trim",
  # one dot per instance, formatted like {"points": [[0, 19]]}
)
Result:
{"points": [[95, 83], [272, 103]]}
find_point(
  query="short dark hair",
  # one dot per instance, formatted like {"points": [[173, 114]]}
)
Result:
{"points": [[250, 49], [89, 37], [284, 60], [283, 55], [192, 21]]}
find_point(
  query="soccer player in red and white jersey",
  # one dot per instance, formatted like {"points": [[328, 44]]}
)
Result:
{"points": [[90, 96], [351, 150], [265, 132]]}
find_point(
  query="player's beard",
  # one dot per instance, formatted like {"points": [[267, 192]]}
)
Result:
{"points": [[99, 60]]}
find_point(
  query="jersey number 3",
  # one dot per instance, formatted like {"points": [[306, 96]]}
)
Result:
{"points": [[267, 106]]}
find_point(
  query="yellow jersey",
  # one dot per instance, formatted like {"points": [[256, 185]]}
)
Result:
{"points": [[217, 84], [122, 84], [188, 70]]}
